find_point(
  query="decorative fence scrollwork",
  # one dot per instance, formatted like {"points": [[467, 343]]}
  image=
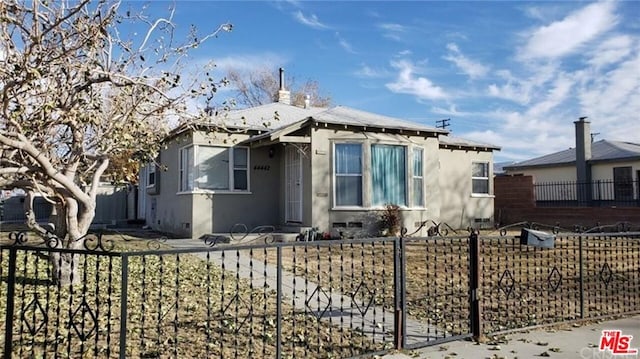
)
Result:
{"points": [[620, 227], [239, 232], [441, 229], [92, 241]]}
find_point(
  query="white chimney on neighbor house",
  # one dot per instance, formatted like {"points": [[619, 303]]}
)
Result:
{"points": [[307, 101], [583, 155], [284, 96]]}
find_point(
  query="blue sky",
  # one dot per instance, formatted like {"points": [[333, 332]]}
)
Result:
{"points": [[514, 74]]}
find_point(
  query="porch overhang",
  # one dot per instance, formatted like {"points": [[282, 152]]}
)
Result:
{"points": [[279, 136]]}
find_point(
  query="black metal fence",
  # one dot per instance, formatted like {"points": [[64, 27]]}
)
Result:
{"points": [[600, 193], [343, 298]]}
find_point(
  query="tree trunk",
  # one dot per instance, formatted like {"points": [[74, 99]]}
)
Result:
{"points": [[65, 268], [58, 221], [66, 265], [65, 232]]}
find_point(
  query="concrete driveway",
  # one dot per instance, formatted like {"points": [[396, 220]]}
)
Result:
{"points": [[568, 341]]}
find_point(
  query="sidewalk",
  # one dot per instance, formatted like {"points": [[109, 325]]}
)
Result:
{"points": [[565, 342]]}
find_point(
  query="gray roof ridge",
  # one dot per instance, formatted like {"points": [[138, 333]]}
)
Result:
{"points": [[601, 151]]}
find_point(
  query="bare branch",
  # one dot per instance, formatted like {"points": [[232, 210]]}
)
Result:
{"points": [[77, 94]]}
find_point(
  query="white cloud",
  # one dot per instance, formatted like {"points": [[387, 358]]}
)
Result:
{"points": [[366, 71], [409, 83], [521, 89], [450, 111], [392, 31], [611, 51], [311, 21], [248, 62], [555, 96], [345, 44], [612, 98], [567, 36], [521, 135], [468, 67]]}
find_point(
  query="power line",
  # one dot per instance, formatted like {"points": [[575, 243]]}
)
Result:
{"points": [[443, 124]]}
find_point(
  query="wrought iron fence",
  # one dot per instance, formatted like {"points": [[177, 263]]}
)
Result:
{"points": [[584, 276], [599, 193], [343, 298]]}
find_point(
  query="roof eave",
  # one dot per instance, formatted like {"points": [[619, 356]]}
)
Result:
{"points": [[479, 148], [530, 167], [620, 159], [375, 128]]}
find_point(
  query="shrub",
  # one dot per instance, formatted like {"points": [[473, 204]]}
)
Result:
{"points": [[390, 220]]}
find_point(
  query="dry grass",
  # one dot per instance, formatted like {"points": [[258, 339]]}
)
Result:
{"points": [[521, 286], [178, 306]]}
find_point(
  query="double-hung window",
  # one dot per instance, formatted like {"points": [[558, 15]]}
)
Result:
{"points": [[214, 168], [480, 178], [418, 178], [186, 169], [348, 174], [240, 169], [388, 175], [151, 175]]}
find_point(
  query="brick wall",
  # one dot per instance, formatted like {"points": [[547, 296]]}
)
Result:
{"points": [[515, 202]]}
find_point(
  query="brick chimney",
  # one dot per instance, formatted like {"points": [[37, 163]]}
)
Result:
{"points": [[284, 96], [583, 155]]}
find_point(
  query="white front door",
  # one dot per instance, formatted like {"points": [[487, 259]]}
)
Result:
{"points": [[293, 179]]}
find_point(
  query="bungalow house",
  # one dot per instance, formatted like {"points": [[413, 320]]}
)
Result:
{"points": [[593, 173], [295, 168]]}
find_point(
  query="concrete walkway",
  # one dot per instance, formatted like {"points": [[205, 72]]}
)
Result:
{"points": [[568, 341], [375, 322]]}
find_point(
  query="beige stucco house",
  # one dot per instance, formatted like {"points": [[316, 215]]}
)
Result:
{"points": [[601, 173], [296, 168]]}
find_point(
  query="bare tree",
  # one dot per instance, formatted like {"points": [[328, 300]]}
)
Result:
{"points": [[259, 87], [76, 92]]}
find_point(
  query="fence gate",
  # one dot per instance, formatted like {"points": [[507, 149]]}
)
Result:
{"points": [[436, 290]]}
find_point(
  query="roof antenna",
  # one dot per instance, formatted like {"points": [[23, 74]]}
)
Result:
{"points": [[443, 124], [593, 135]]}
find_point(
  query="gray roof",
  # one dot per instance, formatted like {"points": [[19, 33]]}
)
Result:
{"points": [[278, 117], [450, 141], [338, 115], [341, 115], [267, 117], [602, 150]]}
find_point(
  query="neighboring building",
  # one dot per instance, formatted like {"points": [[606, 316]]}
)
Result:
{"points": [[599, 173], [114, 205], [296, 168]]}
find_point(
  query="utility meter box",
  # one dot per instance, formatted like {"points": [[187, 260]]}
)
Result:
{"points": [[531, 237]]}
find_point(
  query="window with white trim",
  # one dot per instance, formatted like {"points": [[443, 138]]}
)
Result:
{"points": [[186, 169], [480, 178], [151, 175], [418, 177], [348, 174], [388, 175], [240, 168], [214, 168]]}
